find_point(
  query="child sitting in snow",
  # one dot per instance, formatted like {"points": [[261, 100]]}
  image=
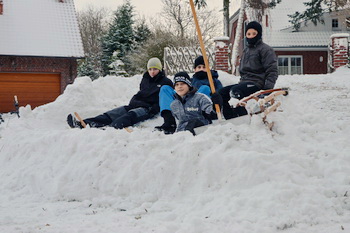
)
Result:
{"points": [[191, 108], [144, 105], [199, 81], [258, 70], [200, 76]]}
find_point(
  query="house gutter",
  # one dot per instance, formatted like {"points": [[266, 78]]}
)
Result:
{"points": [[320, 48]]}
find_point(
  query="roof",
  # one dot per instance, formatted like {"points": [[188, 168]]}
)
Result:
{"points": [[40, 28], [299, 39], [279, 33]]}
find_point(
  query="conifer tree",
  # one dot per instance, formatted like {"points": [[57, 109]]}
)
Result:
{"points": [[315, 9], [120, 36], [142, 32]]}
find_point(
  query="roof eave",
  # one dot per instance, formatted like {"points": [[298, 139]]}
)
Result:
{"points": [[300, 48]]}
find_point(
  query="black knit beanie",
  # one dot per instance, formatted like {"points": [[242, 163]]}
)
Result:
{"points": [[257, 26], [199, 61], [182, 77]]}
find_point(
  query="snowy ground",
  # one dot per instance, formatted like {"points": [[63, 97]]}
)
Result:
{"points": [[232, 178]]}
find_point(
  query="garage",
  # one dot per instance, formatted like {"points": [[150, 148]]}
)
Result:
{"points": [[30, 88]]}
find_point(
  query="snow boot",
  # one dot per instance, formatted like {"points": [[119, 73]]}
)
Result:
{"points": [[72, 122], [169, 125]]}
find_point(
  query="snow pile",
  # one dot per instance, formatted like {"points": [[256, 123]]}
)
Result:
{"points": [[231, 178]]}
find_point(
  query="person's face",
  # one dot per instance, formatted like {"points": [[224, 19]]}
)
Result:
{"points": [[200, 68], [181, 88], [251, 33], [153, 72]]}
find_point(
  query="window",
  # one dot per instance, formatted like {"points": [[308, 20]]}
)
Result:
{"points": [[290, 65], [335, 24]]}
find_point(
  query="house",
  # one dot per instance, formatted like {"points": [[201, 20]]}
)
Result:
{"points": [[301, 52], [40, 43]]}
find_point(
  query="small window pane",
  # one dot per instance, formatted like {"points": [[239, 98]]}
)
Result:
{"points": [[283, 61], [299, 62], [295, 65], [296, 61], [282, 70], [293, 62], [334, 23], [283, 65]]}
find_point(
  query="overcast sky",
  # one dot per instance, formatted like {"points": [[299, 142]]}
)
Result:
{"points": [[142, 7]]}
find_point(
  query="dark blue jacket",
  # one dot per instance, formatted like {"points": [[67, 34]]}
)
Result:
{"points": [[201, 78]]}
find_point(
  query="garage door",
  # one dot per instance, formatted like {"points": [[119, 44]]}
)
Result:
{"points": [[33, 89]]}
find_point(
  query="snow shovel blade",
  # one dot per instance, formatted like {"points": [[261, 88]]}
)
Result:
{"points": [[235, 121]]}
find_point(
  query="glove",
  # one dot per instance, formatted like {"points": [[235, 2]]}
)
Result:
{"points": [[217, 99]]}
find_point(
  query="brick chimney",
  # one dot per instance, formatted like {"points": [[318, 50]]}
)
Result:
{"points": [[339, 50], [222, 54]]}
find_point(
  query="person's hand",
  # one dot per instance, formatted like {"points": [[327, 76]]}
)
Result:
{"points": [[217, 99]]}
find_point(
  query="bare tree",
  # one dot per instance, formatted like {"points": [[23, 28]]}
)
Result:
{"points": [[238, 36], [178, 19], [93, 25], [177, 13], [226, 11]]}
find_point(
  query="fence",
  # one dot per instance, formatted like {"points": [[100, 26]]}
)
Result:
{"points": [[182, 59]]}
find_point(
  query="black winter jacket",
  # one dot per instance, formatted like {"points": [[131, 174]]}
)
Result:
{"points": [[259, 65], [148, 95]]}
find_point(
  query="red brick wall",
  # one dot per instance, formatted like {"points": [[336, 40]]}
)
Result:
{"points": [[222, 54], [67, 67], [311, 60], [339, 51]]}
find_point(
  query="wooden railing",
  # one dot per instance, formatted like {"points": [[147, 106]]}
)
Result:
{"points": [[182, 59]]}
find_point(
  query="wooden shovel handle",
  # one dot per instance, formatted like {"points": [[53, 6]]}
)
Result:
{"points": [[80, 119]]}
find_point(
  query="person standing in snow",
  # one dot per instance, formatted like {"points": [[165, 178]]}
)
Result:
{"points": [[199, 81], [191, 108], [258, 70], [143, 105]]}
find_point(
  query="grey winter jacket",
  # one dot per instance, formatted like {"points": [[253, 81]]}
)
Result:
{"points": [[259, 65], [191, 107]]}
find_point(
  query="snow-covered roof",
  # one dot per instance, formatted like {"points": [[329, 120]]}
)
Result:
{"points": [[279, 33], [299, 39], [40, 28]]}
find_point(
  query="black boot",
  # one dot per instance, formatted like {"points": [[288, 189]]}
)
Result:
{"points": [[72, 122], [169, 125]]}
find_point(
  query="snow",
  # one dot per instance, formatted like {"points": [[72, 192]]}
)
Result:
{"points": [[40, 28], [223, 38], [340, 35], [231, 178], [220, 44]]}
